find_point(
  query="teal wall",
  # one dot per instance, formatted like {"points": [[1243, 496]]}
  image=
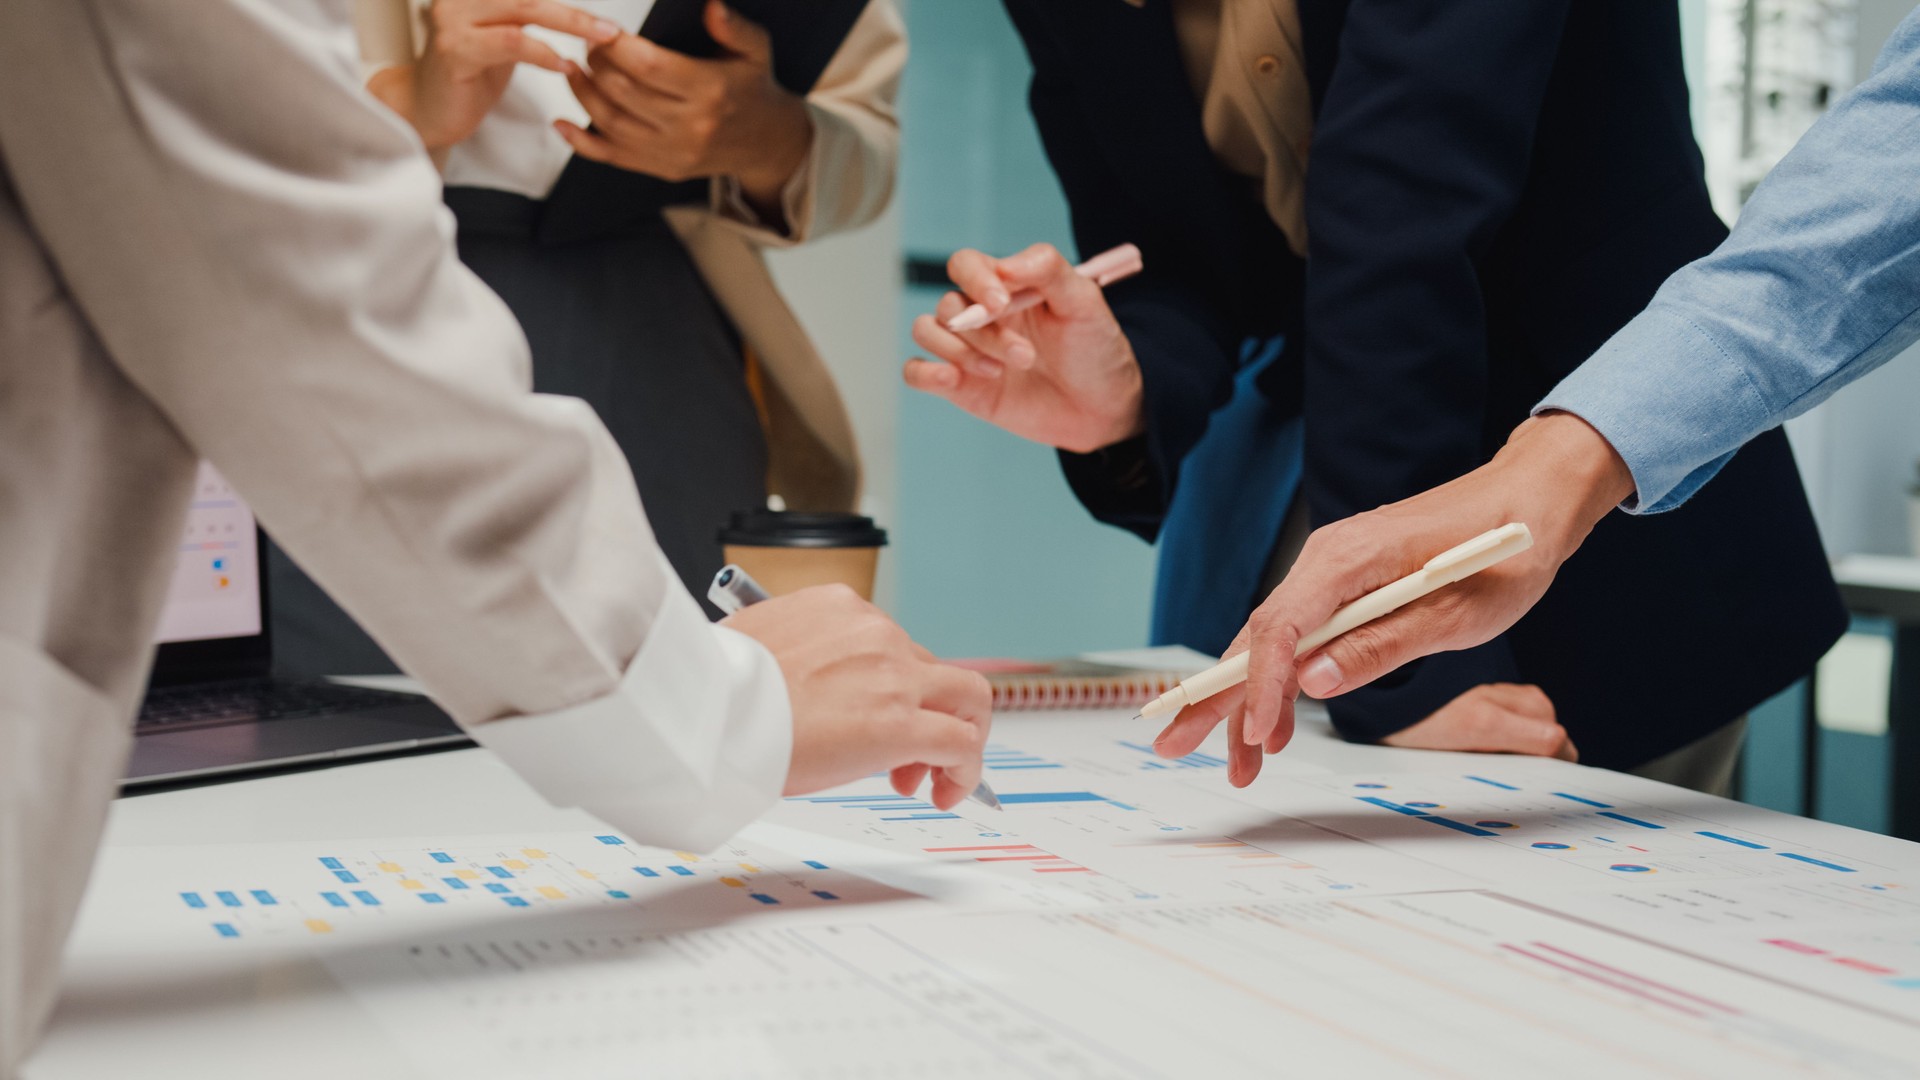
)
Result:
{"points": [[994, 555]]}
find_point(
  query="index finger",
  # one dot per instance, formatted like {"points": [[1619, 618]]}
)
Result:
{"points": [[1045, 270], [1328, 573], [553, 16], [659, 67], [977, 274]]}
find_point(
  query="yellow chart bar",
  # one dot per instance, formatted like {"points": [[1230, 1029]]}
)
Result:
{"points": [[533, 853], [688, 856], [552, 893], [749, 868], [320, 926], [733, 881], [390, 867], [409, 883], [590, 875], [467, 875], [514, 864]]}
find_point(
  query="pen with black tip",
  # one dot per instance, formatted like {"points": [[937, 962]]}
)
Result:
{"points": [[734, 588]]}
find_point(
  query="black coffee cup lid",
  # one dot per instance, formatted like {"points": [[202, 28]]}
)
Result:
{"points": [[798, 529]]}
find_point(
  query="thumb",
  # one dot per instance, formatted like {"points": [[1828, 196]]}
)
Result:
{"points": [[738, 34], [1367, 652]]}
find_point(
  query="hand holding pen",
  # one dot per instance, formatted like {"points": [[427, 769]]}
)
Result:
{"points": [[864, 696], [1049, 362]]}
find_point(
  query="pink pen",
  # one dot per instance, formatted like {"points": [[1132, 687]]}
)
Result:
{"points": [[1103, 269]]}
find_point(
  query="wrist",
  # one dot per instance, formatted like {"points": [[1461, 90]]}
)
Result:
{"points": [[786, 140], [398, 88], [1117, 413], [1567, 463], [1130, 414]]}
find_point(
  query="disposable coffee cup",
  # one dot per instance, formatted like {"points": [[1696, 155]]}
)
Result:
{"points": [[787, 550]]}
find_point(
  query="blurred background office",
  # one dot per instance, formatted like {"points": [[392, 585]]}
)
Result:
{"points": [[992, 555]]}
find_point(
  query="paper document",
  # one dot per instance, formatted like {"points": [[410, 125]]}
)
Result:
{"points": [[1123, 916]]}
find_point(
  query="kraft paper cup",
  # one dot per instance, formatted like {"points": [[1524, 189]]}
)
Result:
{"points": [[786, 551]]}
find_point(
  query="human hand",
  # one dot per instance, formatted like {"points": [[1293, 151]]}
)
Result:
{"points": [[1493, 718], [1556, 474], [1060, 373], [866, 698], [471, 50], [677, 117]]}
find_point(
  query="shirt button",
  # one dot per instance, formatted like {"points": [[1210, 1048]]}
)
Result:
{"points": [[1267, 65]]}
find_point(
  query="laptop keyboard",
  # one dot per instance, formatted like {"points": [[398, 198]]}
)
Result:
{"points": [[252, 700]]}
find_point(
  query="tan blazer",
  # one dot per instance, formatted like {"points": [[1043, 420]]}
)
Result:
{"points": [[1249, 72], [245, 259], [813, 461]]}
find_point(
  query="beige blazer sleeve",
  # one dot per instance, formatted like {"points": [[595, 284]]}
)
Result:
{"points": [[848, 177], [257, 250]]}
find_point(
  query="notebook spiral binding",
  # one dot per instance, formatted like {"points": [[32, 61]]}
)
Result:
{"points": [[1067, 692]]}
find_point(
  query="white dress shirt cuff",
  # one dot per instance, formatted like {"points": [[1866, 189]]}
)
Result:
{"points": [[691, 746]]}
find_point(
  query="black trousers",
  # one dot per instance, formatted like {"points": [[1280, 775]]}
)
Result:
{"points": [[624, 322]]}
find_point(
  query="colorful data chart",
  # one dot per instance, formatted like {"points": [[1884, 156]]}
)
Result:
{"points": [[1589, 831], [1006, 759], [327, 892], [1392, 986], [1029, 857], [1155, 763]]}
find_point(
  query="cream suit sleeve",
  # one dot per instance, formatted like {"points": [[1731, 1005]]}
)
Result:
{"points": [[848, 176], [262, 250]]}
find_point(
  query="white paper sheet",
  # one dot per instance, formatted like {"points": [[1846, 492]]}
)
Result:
{"points": [[1120, 917]]}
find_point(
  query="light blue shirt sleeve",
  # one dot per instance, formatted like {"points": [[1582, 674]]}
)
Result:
{"points": [[1818, 285]]}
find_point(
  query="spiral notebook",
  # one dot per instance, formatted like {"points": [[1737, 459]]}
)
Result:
{"points": [[1108, 680]]}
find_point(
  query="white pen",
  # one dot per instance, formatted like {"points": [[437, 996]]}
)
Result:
{"points": [[1103, 269], [1454, 564], [734, 588]]}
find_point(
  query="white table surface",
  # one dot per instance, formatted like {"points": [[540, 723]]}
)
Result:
{"points": [[125, 1015]]}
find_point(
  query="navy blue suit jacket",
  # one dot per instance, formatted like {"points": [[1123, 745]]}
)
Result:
{"points": [[1494, 188]]}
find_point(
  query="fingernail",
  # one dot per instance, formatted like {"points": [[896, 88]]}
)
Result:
{"points": [[1021, 353], [1321, 677], [605, 30], [997, 297]]}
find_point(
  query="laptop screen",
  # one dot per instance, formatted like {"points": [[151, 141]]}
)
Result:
{"points": [[215, 591]]}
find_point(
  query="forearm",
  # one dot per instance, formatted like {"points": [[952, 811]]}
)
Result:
{"points": [[294, 305], [393, 86], [784, 137], [1815, 288], [844, 176]]}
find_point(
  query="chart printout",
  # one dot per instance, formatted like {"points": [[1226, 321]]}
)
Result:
{"points": [[1119, 917]]}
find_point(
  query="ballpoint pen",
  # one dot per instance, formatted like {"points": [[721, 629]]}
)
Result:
{"points": [[1103, 269], [734, 588], [1454, 564]]}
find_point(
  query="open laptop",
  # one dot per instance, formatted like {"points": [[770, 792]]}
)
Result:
{"points": [[213, 706]]}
